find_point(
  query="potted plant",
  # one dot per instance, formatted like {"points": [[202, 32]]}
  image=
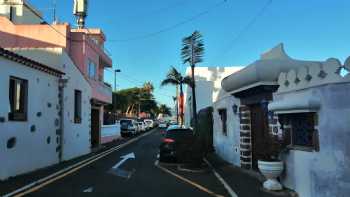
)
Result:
{"points": [[270, 165]]}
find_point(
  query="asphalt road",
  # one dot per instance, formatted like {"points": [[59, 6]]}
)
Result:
{"points": [[147, 179]]}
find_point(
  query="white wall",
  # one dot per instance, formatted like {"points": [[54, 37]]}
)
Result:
{"points": [[227, 146], [76, 136], [208, 87], [325, 173], [110, 133], [23, 12], [31, 150]]}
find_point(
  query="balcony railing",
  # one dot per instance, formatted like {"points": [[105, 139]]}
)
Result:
{"points": [[101, 91]]}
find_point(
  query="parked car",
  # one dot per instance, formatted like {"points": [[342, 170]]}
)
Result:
{"points": [[162, 124], [176, 145], [142, 126], [128, 127], [150, 123]]}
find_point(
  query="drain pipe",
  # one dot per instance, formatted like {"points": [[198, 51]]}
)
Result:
{"points": [[60, 131]]}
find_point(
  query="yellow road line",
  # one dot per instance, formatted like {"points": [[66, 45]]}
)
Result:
{"points": [[196, 185], [101, 155]]}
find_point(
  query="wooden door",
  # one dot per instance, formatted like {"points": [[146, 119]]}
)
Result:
{"points": [[95, 128], [259, 131]]}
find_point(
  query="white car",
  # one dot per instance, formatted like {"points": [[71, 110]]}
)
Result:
{"points": [[128, 127], [163, 125], [142, 126], [149, 123]]}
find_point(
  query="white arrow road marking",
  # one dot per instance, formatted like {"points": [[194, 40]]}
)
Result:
{"points": [[88, 190], [124, 158]]}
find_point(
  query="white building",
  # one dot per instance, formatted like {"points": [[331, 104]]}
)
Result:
{"points": [[57, 125], [306, 103], [208, 88], [76, 134], [29, 114]]}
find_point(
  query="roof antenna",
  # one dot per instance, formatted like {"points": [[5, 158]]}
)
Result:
{"points": [[54, 12]]}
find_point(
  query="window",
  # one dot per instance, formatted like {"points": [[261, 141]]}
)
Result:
{"points": [[18, 97], [12, 12], [300, 129], [223, 116], [77, 106], [92, 69]]}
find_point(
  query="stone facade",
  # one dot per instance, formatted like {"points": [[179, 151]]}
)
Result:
{"points": [[245, 137]]}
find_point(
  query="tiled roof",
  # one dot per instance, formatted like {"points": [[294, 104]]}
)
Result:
{"points": [[29, 62]]}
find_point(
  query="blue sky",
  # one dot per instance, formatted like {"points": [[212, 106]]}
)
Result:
{"points": [[311, 30]]}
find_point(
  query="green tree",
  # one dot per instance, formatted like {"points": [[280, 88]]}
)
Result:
{"points": [[174, 77]]}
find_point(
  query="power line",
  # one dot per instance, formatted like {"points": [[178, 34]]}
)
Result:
{"points": [[246, 27], [134, 79], [163, 9], [169, 28], [138, 83]]}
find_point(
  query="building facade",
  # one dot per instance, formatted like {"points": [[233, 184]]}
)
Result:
{"points": [[29, 114], [302, 102], [208, 88], [80, 54]]}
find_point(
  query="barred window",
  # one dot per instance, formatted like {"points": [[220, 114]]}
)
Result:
{"points": [[300, 129], [223, 116]]}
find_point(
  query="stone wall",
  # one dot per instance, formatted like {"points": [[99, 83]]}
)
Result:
{"points": [[245, 137]]}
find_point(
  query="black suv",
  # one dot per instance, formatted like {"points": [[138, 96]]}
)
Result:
{"points": [[176, 145]]}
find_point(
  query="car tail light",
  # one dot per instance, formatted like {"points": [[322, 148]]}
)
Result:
{"points": [[168, 140]]}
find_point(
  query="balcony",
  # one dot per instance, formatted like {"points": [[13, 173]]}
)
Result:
{"points": [[93, 41], [101, 91]]}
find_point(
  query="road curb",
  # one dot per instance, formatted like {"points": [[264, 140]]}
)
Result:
{"points": [[222, 180]]}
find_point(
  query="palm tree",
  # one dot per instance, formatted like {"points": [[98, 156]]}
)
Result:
{"points": [[192, 53], [164, 109], [174, 77], [148, 87]]}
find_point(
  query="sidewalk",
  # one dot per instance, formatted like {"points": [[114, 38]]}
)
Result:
{"points": [[244, 182]]}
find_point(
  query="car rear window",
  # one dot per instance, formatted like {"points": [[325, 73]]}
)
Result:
{"points": [[179, 133], [125, 122]]}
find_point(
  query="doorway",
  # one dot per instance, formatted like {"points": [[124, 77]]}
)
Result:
{"points": [[259, 132], [95, 127]]}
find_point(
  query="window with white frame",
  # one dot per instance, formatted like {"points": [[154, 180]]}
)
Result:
{"points": [[18, 97]]}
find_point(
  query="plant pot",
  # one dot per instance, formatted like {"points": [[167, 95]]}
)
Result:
{"points": [[271, 170]]}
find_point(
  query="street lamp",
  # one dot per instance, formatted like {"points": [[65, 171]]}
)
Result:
{"points": [[115, 78], [114, 102]]}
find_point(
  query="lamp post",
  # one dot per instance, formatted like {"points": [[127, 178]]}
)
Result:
{"points": [[114, 98], [115, 78]]}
